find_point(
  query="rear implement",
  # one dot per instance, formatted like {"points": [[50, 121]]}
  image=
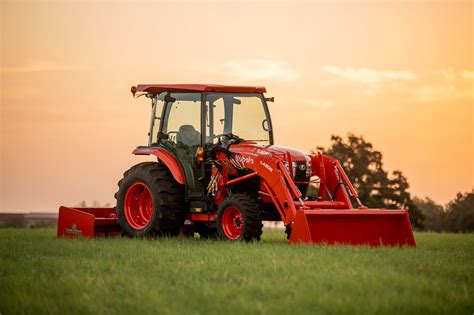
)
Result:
{"points": [[87, 222]]}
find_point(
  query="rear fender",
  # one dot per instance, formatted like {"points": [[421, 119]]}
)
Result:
{"points": [[167, 158]]}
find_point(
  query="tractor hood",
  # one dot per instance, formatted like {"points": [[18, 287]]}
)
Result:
{"points": [[295, 154], [278, 151], [301, 163]]}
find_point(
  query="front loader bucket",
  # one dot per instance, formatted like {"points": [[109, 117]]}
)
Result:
{"points": [[353, 227], [87, 222]]}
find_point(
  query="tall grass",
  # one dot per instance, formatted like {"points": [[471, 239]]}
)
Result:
{"points": [[42, 274]]}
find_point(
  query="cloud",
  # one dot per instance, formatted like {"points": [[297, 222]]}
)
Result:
{"points": [[322, 104], [259, 69], [458, 87], [453, 75], [438, 93], [368, 75], [39, 67], [467, 74], [449, 74]]}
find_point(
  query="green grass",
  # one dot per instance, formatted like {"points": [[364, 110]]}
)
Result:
{"points": [[42, 274]]}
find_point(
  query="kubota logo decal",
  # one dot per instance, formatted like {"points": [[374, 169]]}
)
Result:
{"points": [[244, 159], [73, 230]]}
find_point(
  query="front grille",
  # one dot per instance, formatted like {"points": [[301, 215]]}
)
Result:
{"points": [[300, 171]]}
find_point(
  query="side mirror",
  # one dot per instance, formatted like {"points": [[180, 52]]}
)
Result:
{"points": [[270, 99], [162, 135], [169, 99]]}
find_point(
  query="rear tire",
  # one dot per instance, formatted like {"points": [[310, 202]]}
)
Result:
{"points": [[150, 201], [239, 217]]}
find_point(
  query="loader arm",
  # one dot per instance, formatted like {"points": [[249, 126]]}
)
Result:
{"points": [[276, 181], [331, 219], [335, 185], [278, 185]]}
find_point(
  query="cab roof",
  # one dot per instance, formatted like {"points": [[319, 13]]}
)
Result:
{"points": [[158, 88]]}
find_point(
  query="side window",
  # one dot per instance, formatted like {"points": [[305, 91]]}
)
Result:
{"points": [[183, 122], [155, 118]]}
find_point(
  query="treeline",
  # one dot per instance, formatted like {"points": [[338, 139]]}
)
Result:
{"points": [[457, 216]]}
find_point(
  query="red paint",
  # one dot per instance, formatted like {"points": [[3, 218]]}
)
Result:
{"points": [[168, 159], [324, 168], [309, 222], [201, 216], [158, 88], [241, 179], [268, 165], [345, 178], [322, 204], [87, 222], [275, 202], [374, 227], [232, 223], [138, 206]]}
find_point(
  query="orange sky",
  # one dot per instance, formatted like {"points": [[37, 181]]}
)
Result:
{"points": [[399, 73]]}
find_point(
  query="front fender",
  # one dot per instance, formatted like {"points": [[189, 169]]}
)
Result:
{"points": [[167, 158]]}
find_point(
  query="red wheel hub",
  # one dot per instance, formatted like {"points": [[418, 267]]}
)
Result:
{"points": [[138, 206], [232, 223]]}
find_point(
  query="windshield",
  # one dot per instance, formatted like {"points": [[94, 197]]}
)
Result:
{"points": [[243, 115]]}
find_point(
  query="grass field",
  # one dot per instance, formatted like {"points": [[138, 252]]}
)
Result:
{"points": [[41, 274]]}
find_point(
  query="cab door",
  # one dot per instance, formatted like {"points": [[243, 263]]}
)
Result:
{"points": [[181, 134]]}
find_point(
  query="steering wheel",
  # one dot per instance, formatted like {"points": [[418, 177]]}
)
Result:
{"points": [[226, 139], [228, 135], [172, 138]]}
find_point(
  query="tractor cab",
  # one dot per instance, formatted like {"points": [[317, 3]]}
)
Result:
{"points": [[186, 121]]}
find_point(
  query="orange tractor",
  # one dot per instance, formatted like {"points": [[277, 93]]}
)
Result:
{"points": [[218, 173]]}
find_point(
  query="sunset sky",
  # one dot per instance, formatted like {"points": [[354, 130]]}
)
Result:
{"points": [[399, 73]]}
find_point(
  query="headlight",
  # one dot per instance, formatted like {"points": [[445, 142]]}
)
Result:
{"points": [[288, 168], [309, 166]]}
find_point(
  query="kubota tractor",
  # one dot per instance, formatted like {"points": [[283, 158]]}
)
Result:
{"points": [[218, 173]]}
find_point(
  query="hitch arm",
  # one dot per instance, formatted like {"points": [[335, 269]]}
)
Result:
{"points": [[348, 183]]}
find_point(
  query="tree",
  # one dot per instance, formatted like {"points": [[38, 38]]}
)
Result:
{"points": [[375, 187], [456, 216], [435, 218], [460, 213]]}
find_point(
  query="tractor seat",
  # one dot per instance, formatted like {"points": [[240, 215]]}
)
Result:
{"points": [[188, 136]]}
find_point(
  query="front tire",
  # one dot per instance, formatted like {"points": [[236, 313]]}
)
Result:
{"points": [[239, 217], [150, 201]]}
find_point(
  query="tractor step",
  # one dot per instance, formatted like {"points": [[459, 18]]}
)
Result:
{"points": [[370, 227], [87, 222]]}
